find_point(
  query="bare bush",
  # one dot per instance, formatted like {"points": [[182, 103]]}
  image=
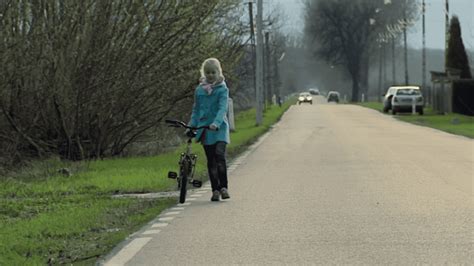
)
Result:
{"points": [[85, 79]]}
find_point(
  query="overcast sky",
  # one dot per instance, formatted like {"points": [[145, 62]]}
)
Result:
{"points": [[464, 9]]}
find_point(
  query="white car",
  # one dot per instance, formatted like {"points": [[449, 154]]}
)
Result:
{"points": [[402, 98], [305, 97]]}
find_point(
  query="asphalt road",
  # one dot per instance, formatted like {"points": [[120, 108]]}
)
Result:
{"points": [[331, 184]]}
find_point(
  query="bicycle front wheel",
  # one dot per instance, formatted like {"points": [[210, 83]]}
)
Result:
{"points": [[182, 188], [183, 180]]}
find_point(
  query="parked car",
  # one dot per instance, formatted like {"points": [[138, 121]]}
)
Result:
{"points": [[401, 98], [305, 97], [314, 91], [333, 96]]}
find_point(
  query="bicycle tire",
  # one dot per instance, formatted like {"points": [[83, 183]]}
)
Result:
{"points": [[182, 188], [183, 180]]}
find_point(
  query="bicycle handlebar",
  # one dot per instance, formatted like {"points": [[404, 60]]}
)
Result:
{"points": [[177, 123]]}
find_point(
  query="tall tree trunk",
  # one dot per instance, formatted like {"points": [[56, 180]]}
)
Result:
{"points": [[364, 82], [355, 86]]}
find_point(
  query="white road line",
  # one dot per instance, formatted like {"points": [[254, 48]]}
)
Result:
{"points": [[151, 232], [184, 204], [159, 225], [126, 253], [172, 213], [165, 219], [190, 199], [177, 209], [195, 195], [202, 191]]}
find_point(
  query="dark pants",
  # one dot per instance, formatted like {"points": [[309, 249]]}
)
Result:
{"points": [[216, 165]]}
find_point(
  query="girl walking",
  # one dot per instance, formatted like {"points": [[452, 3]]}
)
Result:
{"points": [[210, 108]]}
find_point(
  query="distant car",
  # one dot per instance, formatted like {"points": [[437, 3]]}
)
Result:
{"points": [[305, 97], [401, 99], [314, 91], [333, 96]]}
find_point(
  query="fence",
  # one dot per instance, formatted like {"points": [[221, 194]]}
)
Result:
{"points": [[451, 94]]}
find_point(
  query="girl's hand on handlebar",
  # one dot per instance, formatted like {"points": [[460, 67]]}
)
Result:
{"points": [[213, 127]]}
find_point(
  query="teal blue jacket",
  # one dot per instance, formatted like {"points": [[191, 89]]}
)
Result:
{"points": [[211, 109]]}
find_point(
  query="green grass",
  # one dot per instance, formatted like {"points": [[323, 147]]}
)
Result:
{"points": [[452, 123], [49, 218], [70, 229]]}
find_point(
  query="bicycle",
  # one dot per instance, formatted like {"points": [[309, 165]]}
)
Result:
{"points": [[187, 161]]}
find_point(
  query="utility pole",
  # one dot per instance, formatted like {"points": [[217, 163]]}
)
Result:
{"points": [[392, 36], [268, 89], [259, 71], [276, 79], [379, 90], [384, 49], [252, 43], [446, 35], [275, 73], [394, 67], [423, 55], [405, 25]]}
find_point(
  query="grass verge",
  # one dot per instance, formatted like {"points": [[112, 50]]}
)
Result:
{"points": [[452, 123], [46, 218]]}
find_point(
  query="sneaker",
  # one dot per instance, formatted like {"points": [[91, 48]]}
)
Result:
{"points": [[215, 195], [224, 193]]}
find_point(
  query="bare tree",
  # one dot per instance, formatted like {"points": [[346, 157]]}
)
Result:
{"points": [[390, 24], [342, 30]]}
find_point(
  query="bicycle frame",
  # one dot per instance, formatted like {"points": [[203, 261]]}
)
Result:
{"points": [[188, 161]]}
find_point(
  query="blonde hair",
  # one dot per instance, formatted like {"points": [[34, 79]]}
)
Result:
{"points": [[215, 64]]}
